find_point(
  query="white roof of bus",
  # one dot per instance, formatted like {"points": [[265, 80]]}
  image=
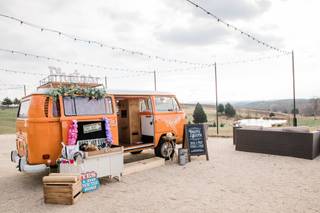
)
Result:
{"points": [[114, 92], [139, 92]]}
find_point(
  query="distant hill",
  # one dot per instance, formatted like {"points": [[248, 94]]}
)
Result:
{"points": [[305, 106]]}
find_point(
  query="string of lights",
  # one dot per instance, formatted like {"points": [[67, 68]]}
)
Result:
{"points": [[100, 44], [71, 62], [230, 26], [113, 77], [87, 65], [158, 71], [30, 73], [249, 60], [21, 72], [9, 85], [130, 76], [195, 68], [11, 88]]}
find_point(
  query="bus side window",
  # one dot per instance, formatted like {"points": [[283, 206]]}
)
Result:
{"points": [[145, 105], [109, 108], [24, 109], [166, 104], [56, 108]]}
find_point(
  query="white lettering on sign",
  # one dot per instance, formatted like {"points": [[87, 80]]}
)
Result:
{"points": [[95, 127], [96, 142], [195, 133]]}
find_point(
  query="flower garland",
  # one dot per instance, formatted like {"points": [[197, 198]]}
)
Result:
{"points": [[108, 132], [73, 133], [92, 93]]}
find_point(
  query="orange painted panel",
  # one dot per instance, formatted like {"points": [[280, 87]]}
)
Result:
{"points": [[165, 122]]}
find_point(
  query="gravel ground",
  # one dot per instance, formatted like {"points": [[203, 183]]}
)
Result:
{"points": [[230, 182]]}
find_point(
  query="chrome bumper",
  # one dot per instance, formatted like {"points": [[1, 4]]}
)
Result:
{"points": [[23, 166]]}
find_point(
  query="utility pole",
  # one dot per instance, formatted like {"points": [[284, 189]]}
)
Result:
{"points": [[294, 91], [25, 90], [216, 84], [106, 82], [155, 80]]}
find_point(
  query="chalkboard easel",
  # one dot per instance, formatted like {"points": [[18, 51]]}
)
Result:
{"points": [[195, 140]]}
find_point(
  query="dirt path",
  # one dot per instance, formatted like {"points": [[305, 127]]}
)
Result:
{"points": [[230, 182]]}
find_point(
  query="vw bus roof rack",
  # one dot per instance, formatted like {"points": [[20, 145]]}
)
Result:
{"points": [[55, 80]]}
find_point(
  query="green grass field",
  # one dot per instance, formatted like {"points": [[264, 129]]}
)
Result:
{"points": [[227, 131], [310, 122], [8, 120]]}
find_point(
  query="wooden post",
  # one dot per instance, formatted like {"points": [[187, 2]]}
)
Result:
{"points": [[216, 85], [25, 90], [295, 123], [106, 82], [155, 80]]}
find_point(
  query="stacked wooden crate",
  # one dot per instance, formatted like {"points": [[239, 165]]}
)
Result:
{"points": [[60, 188]]}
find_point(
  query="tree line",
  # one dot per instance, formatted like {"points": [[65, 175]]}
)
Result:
{"points": [[7, 101], [200, 116]]}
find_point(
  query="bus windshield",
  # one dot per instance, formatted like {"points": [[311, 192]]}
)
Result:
{"points": [[81, 105]]}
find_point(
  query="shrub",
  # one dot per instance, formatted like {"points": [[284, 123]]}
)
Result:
{"points": [[229, 110], [16, 101], [220, 108], [199, 116], [6, 102]]}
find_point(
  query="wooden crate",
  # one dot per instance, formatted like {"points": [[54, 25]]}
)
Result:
{"points": [[62, 192]]}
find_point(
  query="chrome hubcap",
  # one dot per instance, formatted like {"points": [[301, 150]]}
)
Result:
{"points": [[166, 149]]}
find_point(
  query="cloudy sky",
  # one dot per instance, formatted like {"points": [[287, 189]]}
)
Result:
{"points": [[172, 29]]}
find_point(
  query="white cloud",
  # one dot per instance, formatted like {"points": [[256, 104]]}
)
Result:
{"points": [[173, 29], [194, 35], [226, 9]]}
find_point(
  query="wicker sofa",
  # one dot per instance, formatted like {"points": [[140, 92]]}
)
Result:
{"points": [[294, 141]]}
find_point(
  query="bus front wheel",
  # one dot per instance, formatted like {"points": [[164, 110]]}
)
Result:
{"points": [[165, 149]]}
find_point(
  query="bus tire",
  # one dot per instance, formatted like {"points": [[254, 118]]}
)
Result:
{"points": [[165, 149]]}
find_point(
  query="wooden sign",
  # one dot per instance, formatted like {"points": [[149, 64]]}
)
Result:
{"points": [[195, 140]]}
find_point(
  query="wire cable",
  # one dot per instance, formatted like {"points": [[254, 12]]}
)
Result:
{"points": [[228, 25], [71, 62], [98, 43]]}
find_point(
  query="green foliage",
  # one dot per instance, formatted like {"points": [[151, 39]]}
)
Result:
{"points": [[229, 110], [221, 108], [6, 102], [16, 101], [222, 125], [199, 116], [92, 93]]}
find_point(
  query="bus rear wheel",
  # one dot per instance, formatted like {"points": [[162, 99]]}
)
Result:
{"points": [[165, 149]]}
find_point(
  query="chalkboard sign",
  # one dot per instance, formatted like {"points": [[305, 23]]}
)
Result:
{"points": [[195, 140]]}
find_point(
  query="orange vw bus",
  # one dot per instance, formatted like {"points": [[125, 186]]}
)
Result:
{"points": [[138, 121]]}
